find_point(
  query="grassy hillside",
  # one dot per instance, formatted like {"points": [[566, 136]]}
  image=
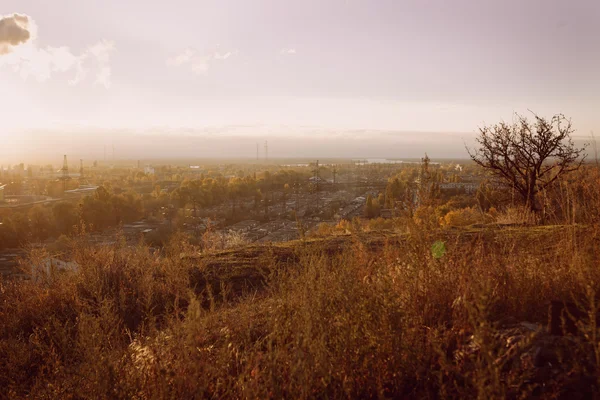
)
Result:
{"points": [[364, 315]]}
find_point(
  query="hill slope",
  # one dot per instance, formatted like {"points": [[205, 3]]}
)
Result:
{"points": [[366, 315]]}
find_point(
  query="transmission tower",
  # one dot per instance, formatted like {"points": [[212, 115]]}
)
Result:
{"points": [[317, 179], [65, 173], [266, 151], [82, 178]]}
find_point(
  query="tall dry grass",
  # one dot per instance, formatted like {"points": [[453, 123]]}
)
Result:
{"points": [[383, 322], [391, 319]]}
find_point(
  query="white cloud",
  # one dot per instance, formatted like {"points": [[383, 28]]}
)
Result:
{"points": [[219, 56], [199, 63], [20, 52], [182, 58], [103, 77], [200, 66], [287, 51]]}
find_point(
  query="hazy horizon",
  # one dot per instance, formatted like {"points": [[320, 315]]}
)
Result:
{"points": [[338, 78], [235, 142]]}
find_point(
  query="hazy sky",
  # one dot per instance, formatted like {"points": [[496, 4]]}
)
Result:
{"points": [[423, 65]]}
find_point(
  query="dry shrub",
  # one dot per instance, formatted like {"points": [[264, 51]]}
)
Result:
{"points": [[325, 229], [516, 215], [390, 320], [235, 239], [426, 217], [379, 223], [344, 226], [464, 217], [215, 241]]}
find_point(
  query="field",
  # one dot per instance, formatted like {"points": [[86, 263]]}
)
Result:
{"points": [[371, 314]]}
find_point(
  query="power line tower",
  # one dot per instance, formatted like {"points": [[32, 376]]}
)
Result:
{"points": [[82, 178], [424, 190], [317, 179], [65, 173], [266, 151]]}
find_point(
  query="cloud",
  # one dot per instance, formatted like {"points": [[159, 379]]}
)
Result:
{"points": [[287, 51], [199, 63], [20, 52], [14, 30], [103, 77], [97, 59], [182, 58], [225, 56]]}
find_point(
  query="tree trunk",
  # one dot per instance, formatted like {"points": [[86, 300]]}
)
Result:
{"points": [[531, 192], [531, 202]]}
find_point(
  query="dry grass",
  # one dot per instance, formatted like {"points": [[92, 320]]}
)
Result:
{"points": [[360, 316]]}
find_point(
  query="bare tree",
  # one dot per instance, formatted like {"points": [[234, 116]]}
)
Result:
{"points": [[528, 156]]}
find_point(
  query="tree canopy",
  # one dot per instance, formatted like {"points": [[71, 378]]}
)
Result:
{"points": [[528, 155]]}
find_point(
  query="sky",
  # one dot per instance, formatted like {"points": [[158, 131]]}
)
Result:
{"points": [[77, 73]]}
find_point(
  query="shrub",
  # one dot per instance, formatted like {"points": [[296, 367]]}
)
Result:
{"points": [[380, 224], [516, 215], [324, 229], [463, 217], [425, 216], [353, 317]]}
